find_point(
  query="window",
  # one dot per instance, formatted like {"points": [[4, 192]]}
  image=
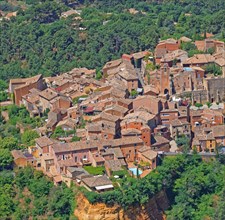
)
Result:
{"points": [[75, 159]]}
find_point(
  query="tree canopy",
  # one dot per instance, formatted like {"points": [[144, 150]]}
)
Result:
{"points": [[28, 137], [38, 40], [32, 189]]}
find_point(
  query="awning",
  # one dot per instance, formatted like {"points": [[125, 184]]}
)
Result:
{"points": [[82, 99], [104, 187], [139, 90]]}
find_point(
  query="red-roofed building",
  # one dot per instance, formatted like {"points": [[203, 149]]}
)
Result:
{"points": [[89, 110], [164, 47], [21, 87], [127, 57]]}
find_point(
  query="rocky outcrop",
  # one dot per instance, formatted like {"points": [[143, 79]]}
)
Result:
{"points": [[153, 210]]}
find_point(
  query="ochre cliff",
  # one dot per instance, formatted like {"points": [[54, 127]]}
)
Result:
{"points": [[153, 210]]}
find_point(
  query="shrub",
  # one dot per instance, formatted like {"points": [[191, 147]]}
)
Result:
{"points": [[75, 139], [198, 105], [133, 93], [120, 173]]}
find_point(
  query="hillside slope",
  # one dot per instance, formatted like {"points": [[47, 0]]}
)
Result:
{"points": [[153, 209], [38, 40]]}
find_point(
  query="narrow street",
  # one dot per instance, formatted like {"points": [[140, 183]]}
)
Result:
{"points": [[140, 77]]}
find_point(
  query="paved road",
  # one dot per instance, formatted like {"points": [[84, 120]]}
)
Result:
{"points": [[173, 145]]}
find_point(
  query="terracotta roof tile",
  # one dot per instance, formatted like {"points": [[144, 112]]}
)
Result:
{"points": [[218, 131], [114, 165], [44, 141], [150, 154], [200, 59], [97, 181], [48, 94]]}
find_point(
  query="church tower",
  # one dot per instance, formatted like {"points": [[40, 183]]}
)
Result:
{"points": [[165, 81]]}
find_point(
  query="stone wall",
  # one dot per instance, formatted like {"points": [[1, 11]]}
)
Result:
{"points": [[200, 96], [216, 88]]}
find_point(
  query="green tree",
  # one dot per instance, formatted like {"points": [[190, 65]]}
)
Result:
{"points": [[133, 93], [183, 142], [3, 96], [61, 201], [214, 69], [6, 202], [58, 132], [9, 143], [98, 75], [28, 137], [40, 186], [13, 110], [24, 176], [6, 158], [41, 206], [75, 139]]}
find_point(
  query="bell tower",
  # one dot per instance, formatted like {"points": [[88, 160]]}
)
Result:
{"points": [[165, 80]]}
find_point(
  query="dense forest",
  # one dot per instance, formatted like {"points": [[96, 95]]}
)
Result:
{"points": [[27, 193], [38, 40]]}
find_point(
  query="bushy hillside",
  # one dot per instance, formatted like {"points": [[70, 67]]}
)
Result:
{"points": [[27, 193], [39, 41]]}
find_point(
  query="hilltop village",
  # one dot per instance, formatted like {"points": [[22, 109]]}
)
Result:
{"points": [[122, 119]]}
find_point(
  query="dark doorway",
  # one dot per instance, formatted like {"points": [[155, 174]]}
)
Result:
{"points": [[166, 91]]}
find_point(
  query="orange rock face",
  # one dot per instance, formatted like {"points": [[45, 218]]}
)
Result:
{"points": [[154, 209]]}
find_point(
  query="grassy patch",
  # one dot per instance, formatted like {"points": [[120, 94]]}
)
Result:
{"points": [[95, 170]]}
